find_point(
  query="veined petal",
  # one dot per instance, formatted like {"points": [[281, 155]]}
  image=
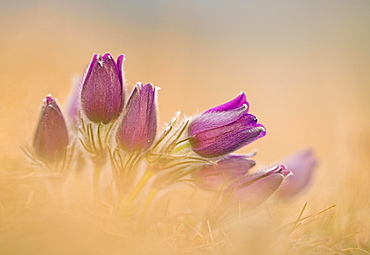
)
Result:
{"points": [[255, 188], [224, 129], [302, 165], [212, 120], [225, 139], [102, 90], [237, 102], [51, 137], [138, 128], [213, 176]]}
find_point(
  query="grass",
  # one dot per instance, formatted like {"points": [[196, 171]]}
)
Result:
{"points": [[40, 215]]}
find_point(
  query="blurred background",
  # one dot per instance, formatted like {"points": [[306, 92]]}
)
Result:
{"points": [[304, 66]]}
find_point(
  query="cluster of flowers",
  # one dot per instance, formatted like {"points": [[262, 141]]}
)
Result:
{"points": [[119, 139]]}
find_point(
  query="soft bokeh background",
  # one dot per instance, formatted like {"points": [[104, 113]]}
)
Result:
{"points": [[304, 65]]}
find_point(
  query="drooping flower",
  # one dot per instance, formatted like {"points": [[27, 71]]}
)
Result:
{"points": [[253, 189], [51, 137], [302, 166], [211, 177], [224, 129], [102, 94], [138, 127]]}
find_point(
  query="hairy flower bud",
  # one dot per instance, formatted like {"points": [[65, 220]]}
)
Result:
{"points": [[51, 137], [74, 103], [138, 128], [102, 89], [224, 129], [255, 188], [211, 177], [302, 166]]}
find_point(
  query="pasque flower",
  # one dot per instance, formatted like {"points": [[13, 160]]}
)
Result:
{"points": [[224, 129], [138, 128], [213, 176], [102, 95], [302, 165], [74, 103], [135, 172], [51, 137], [253, 189]]}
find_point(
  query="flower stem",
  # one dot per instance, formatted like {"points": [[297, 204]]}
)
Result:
{"points": [[139, 186], [149, 201], [97, 170]]}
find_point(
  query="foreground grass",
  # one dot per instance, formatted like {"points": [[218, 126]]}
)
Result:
{"points": [[40, 216]]}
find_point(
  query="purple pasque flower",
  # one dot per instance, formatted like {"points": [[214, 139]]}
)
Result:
{"points": [[224, 129], [213, 176], [51, 137], [253, 189], [138, 127], [74, 102], [302, 165], [102, 94]]}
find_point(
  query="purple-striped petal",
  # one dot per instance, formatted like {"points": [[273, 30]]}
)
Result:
{"points": [[102, 90], [302, 165], [212, 177], [255, 188], [237, 102], [51, 137], [224, 129], [138, 128], [224, 139], [208, 121]]}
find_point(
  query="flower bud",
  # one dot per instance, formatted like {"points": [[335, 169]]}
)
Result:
{"points": [[102, 89], [228, 169], [253, 189], [224, 129], [138, 128], [302, 166], [74, 103], [51, 138]]}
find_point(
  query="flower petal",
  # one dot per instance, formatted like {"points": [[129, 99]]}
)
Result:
{"points": [[51, 137], [255, 188], [102, 89], [212, 177], [302, 165], [237, 102], [138, 127]]}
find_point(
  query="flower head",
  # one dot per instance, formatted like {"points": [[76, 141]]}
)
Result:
{"points": [[74, 103], [302, 166], [138, 128], [224, 129], [102, 89], [51, 137], [227, 169], [255, 188]]}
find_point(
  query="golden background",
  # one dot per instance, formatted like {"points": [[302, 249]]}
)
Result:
{"points": [[304, 66]]}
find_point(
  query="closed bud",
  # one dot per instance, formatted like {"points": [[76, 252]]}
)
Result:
{"points": [[74, 103], [302, 165], [138, 127], [228, 169], [102, 94], [51, 138], [253, 189]]}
